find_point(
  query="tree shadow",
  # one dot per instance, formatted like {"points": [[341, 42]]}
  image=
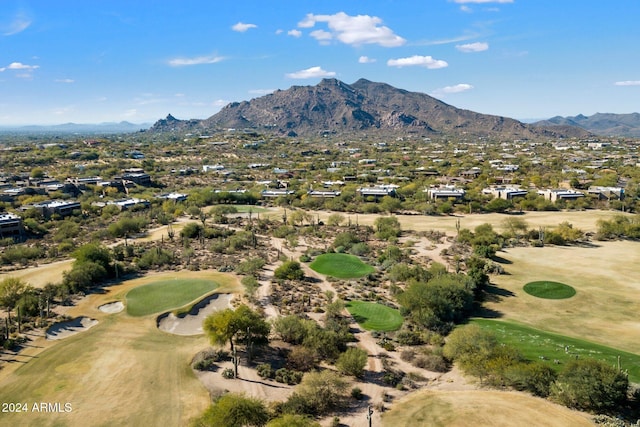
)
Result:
{"points": [[501, 260], [494, 293], [487, 313], [266, 384]]}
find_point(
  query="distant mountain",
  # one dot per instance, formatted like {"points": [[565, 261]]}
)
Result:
{"points": [[364, 106], [607, 124], [100, 128]]}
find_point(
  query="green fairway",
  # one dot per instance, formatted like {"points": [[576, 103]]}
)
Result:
{"points": [[250, 208], [375, 317], [540, 345], [342, 266], [549, 290], [166, 295]]}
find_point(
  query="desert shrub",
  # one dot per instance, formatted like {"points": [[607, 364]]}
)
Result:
{"points": [[317, 394], [392, 378], [431, 362], [228, 374], [407, 355], [590, 385], [250, 284], [356, 393], [265, 370], [301, 359], [155, 258], [289, 270], [352, 362], [288, 376], [407, 337]]}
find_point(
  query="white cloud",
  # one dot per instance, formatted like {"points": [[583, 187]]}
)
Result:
{"points": [[310, 73], [482, 1], [472, 47], [65, 81], [19, 66], [462, 87], [322, 36], [366, 60], [353, 30], [20, 23], [294, 33], [241, 27], [417, 60], [198, 60], [466, 9], [628, 83], [261, 91]]}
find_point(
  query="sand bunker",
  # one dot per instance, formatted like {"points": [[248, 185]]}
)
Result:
{"points": [[191, 323], [62, 330], [112, 307]]}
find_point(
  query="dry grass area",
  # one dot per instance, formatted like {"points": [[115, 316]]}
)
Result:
{"points": [[606, 306], [584, 220], [41, 275], [479, 408], [98, 371]]}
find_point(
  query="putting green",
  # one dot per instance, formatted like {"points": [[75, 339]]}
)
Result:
{"points": [[549, 290], [165, 295], [375, 317], [342, 266]]}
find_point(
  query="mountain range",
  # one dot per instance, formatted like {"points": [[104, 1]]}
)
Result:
{"points": [[605, 124], [333, 106]]}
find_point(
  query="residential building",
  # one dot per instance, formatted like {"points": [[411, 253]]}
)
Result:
{"points": [[11, 226], [506, 193], [445, 192], [560, 194]]}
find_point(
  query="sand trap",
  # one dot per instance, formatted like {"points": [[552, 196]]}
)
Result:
{"points": [[112, 307], [191, 323], [62, 330]]}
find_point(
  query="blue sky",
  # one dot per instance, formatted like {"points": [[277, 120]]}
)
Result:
{"points": [[92, 61]]}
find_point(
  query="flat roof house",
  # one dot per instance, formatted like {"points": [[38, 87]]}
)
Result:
{"points": [[276, 193], [11, 226], [378, 191], [560, 194], [445, 193], [326, 194], [60, 207], [507, 193]]}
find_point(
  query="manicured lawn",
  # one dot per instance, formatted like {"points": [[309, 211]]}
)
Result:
{"points": [[540, 345], [549, 290], [250, 208], [342, 266], [375, 317], [165, 295]]}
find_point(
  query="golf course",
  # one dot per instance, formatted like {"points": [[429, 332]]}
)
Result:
{"points": [[98, 370]]}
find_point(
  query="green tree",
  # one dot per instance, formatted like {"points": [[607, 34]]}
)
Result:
{"points": [[289, 270], [471, 348], [387, 227], [590, 385], [292, 329], [352, 362], [234, 410], [11, 290], [94, 253], [242, 324]]}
